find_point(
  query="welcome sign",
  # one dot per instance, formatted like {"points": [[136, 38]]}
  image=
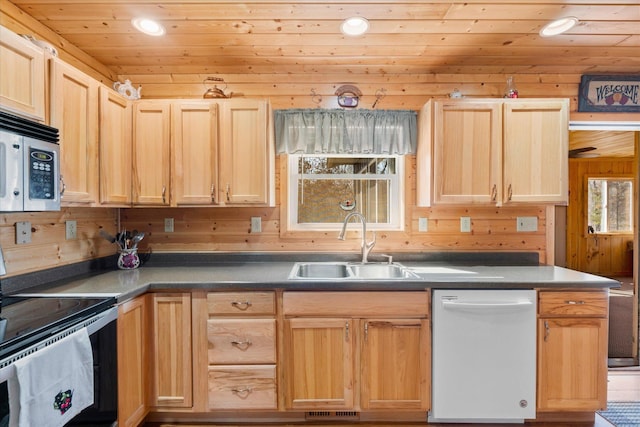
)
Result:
{"points": [[611, 93]]}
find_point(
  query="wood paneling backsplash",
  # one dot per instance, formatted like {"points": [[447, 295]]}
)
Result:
{"points": [[48, 247], [228, 230]]}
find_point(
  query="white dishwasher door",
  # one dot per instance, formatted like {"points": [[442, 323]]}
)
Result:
{"points": [[484, 355]]}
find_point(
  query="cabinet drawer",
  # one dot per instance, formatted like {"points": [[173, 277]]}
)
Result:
{"points": [[235, 341], [579, 303], [242, 387], [242, 303], [353, 304]]}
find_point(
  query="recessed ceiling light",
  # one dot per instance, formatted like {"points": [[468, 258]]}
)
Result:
{"points": [[558, 26], [148, 26], [355, 26]]}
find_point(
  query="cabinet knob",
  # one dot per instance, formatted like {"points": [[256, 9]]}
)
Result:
{"points": [[164, 193], [213, 193]]}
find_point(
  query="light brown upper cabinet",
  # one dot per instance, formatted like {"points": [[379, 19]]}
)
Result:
{"points": [[194, 134], [151, 153], [494, 151], [74, 111], [220, 152], [22, 76], [244, 152], [115, 149]]}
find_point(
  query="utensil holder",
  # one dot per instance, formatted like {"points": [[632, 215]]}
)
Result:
{"points": [[128, 259]]}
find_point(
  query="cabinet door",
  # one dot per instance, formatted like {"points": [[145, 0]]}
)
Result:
{"points": [[572, 364], [172, 361], [244, 152], [536, 162], [195, 146], [318, 363], [151, 153], [467, 152], [74, 111], [132, 362], [395, 364], [22, 76], [115, 148]]}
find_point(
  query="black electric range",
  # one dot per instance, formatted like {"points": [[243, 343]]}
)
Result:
{"points": [[27, 320]]}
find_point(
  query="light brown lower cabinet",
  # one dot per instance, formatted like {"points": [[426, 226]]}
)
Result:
{"points": [[241, 351], [572, 350], [132, 327], [171, 355], [356, 350]]}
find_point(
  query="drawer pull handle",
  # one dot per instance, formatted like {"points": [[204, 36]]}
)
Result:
{"points": [[245, 391], [241, 305], [244, 344], [570, 302]]}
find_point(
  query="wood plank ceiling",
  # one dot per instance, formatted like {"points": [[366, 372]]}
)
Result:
{"points": [[415, 36], [415, 48]]}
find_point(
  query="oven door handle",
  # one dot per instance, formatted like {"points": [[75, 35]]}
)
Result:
{"points": [[93, 324]]}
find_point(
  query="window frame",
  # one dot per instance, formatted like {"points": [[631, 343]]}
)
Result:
{"points": [[396, 202], [612, 177]]}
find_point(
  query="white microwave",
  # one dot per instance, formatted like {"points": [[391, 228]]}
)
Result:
{"points": [[29, 166]]}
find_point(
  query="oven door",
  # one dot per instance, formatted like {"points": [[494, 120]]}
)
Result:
{"points": [[102, 334]]}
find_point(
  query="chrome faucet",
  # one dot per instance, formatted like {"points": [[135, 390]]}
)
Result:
{"points": [[366, 247]]}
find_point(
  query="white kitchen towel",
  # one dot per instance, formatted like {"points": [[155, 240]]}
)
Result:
{"points": [[52, 385]]}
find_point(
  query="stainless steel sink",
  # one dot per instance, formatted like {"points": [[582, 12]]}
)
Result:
{"points": [[320, 270], [381, 271], [350, 271]]}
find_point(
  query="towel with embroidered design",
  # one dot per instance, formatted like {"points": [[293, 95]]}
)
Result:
{"points": [[52, 385]]}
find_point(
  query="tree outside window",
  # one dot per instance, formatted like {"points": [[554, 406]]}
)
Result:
{"points": [[610, 205]]}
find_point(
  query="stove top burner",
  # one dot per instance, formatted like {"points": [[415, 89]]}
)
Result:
{"points": [[27, 320]]}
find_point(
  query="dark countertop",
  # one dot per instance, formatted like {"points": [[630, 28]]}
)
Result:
{"points": [[256, 273]]}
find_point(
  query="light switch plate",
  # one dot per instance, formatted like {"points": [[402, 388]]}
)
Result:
{"points": [[168, 225], [527, 223], [423, 224], [465, 224], [23, 232]]}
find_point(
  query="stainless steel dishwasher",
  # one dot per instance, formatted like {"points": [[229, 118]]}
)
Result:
{"points": [[484, 356]]}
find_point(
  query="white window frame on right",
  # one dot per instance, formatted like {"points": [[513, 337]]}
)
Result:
{"points": [[602, 204], [394, 181]]}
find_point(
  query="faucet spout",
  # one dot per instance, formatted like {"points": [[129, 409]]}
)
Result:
{"points": [[365, 246]]}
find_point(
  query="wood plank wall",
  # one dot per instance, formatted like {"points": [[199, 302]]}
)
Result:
{"points": [[604, 254], [227, 229], [48, 247]]}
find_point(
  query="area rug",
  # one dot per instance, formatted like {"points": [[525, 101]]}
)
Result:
{"points": [[622, 414]]}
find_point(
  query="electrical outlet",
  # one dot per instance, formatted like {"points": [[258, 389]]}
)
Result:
{"points": [[23, 232], [527, 223], [256, 224], [423, 224], [71, 230], [465, 224], [168, 225]]}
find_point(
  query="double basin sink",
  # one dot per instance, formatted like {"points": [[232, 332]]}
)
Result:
{"points": [[350, 271]]}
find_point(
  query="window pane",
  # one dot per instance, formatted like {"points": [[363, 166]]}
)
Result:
{"points": [[327, 188], [610, 203]]}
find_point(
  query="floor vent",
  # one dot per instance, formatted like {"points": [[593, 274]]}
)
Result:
{"points": [[333, 415]]}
